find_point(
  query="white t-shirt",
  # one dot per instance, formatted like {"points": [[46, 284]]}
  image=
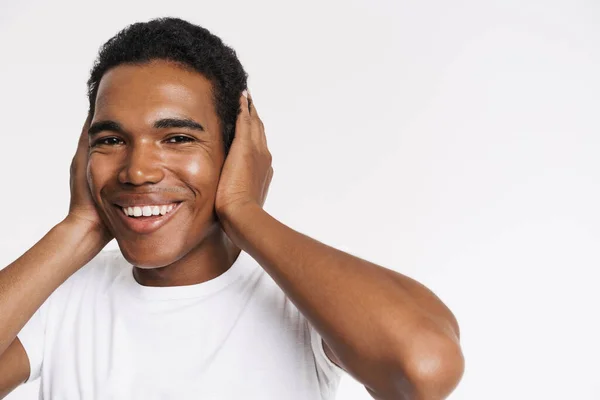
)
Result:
{"points": [[102, 335]]}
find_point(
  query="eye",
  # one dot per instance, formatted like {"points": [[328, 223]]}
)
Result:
{"points": [[179, 139], [108, 141]]}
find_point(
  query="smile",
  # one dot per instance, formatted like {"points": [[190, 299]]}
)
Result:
{"points": [[145, 219], [148, 210]]}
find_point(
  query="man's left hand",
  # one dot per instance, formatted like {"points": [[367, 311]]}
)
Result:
{"points": [[247, 171]]}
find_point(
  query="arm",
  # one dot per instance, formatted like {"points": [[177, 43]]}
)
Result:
{"points": [[388, 331], [14, 368], [27, 282]]}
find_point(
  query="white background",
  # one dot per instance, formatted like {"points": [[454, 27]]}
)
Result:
{"points": [[455, 142]]}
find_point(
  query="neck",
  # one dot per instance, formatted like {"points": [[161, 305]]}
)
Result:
{"points": [[211, 258]]}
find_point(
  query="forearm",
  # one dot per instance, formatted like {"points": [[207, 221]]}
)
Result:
{"points": [[27, 282], [375, 320]]}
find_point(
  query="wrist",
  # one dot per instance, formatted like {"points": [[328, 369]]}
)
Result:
{"points": [[237, 218], [234, 212], [84, 228]]}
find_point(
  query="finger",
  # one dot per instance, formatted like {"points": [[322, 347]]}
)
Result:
{"points": [[83, 137], [86, 125], [245, 103], [257, 124], [242, 126], [251, 107], [252, 110]]}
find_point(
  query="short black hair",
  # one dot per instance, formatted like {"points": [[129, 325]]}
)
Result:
{"points": [[184, 43]]}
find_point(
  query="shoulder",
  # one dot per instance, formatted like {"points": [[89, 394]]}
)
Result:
{"points": [[96, 273], [105, 262]]}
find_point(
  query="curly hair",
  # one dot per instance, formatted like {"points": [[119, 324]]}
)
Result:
{"points": [[189, 45]]}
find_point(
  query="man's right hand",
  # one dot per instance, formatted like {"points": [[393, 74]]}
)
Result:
{"points": [[82, 208], [29, 280]]}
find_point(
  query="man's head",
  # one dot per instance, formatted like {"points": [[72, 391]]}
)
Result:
{"points": [[164, 99], [181, 42]]}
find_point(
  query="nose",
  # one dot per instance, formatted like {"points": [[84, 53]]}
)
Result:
{"points": [[142, 165]]}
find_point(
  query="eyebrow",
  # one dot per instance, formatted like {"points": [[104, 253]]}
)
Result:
{"points": [[113, 126]]}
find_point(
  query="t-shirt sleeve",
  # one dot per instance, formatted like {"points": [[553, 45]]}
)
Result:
{"points": [[37, 333], [32, 337], [332, 372]]}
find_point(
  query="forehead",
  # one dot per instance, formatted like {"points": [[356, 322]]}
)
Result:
{"points": [[159, 89]]}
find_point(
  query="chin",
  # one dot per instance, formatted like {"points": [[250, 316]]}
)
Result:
{"points": [[165, 247], [152, 256]]}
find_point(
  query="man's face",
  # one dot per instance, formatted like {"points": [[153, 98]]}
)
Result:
{"points": [[149, 151]]}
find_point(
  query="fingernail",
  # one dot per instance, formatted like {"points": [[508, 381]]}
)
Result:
{"points": [[245, 93]]}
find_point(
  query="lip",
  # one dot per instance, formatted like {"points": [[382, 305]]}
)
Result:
{"points": [[141, 199], [146, 225]]}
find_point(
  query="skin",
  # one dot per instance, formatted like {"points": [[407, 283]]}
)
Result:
{"points": [[179, 164], [388, 331]]}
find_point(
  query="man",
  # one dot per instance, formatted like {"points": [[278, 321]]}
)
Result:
{"points": [[209, 296]]}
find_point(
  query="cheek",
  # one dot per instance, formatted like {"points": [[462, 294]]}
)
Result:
{"points": [[201, 172], [98, 174], [193, 168]]}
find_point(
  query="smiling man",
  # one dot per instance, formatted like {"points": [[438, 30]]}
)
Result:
{"points": [[209, 296]]}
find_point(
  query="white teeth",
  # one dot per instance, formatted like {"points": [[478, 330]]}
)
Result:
{"points": [[147, 211]]}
